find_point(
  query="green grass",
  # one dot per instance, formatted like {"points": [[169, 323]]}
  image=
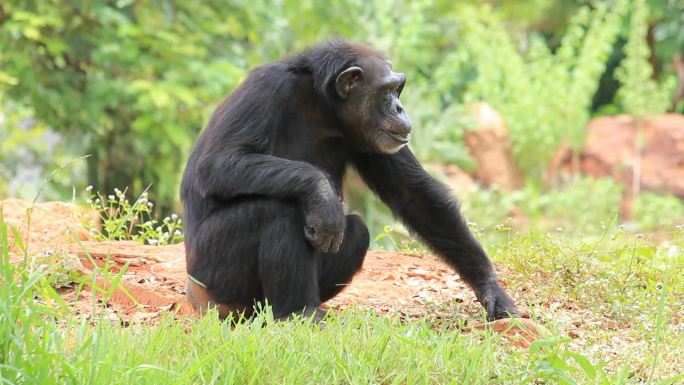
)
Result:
{"points": [[622, 292]]}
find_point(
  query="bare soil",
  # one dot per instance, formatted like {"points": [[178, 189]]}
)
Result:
{"points": [[154, 278]]}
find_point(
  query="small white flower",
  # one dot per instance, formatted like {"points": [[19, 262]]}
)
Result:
{"points": [[166, 234], [150, 204], [177, 232], [167, 219], [97, 200], [89, 188], [158, 229], [117, 191], [148, 223], [111, 197], [153, 242], [89, 201], [174, 216]]}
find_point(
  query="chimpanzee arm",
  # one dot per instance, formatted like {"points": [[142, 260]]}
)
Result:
{"points": [[427, 207], [236, 173], [229, 175]]}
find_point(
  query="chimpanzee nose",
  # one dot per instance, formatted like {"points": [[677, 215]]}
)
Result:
{"points": [[398, 108]]}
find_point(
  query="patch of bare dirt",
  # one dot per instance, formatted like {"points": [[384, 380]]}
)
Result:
{"points": [[153, 281]]}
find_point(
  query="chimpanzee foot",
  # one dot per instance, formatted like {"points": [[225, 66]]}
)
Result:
{"points": [[314, 314]]}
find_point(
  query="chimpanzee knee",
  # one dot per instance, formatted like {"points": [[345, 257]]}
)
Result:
{"points": [[287, 263], [336, 270], [357, 237]]}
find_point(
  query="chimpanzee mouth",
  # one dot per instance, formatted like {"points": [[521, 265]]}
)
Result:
{"points": [[401, 138]]}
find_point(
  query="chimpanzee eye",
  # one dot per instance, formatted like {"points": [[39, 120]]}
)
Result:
{"points": [[400, 88]]}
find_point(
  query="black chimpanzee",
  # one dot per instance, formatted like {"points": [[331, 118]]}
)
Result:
{"points": [[263, 187]]}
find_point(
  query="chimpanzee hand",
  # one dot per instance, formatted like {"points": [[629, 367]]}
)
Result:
{"points": [[325, 220], [495, 300]]}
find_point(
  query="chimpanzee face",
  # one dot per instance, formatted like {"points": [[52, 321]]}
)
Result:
{"points": [[371, 112]]}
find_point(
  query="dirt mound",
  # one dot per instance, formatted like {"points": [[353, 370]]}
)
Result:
{"points": [[646, 156], [152, 278], [46, 225]]}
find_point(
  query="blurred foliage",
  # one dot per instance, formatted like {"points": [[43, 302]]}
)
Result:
{"points": [[133, 82], [579, 207], [666, 24], [572, 208], [544, 96], [657, 212], [128, 82], [26, 151], [640, 94]]}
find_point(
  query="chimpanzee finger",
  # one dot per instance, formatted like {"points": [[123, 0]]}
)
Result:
{"points": [[330, 244], [319, 243], [338, 243], [491, 309], [323, 243], [334, 248], [309, 233], [315, 238]]}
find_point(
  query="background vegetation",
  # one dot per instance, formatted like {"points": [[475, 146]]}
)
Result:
{"points": [[132, 83]]}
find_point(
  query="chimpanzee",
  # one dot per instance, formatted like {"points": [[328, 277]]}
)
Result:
{"points": [[262, 189]]}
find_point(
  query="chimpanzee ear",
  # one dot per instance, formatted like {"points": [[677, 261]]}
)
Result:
{"points": [[347, 80]]}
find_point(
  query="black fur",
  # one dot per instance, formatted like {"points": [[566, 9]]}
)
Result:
{"points": [[262, 189]]}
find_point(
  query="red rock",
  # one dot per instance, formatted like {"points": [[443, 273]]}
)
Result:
{"points": [[612, 150], [521, 332], [489, 144]]}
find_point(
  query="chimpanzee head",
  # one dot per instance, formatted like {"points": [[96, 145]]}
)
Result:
{"points": [[372, 116]]}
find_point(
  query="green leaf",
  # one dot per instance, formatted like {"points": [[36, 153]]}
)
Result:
{"points": [[17, 239], [584, 363]]}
